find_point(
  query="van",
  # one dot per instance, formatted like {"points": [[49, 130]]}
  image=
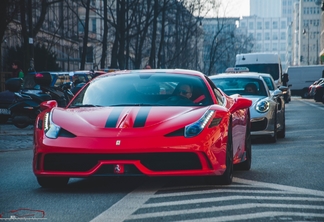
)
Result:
{"points": [[262, 63], [301, 77]]}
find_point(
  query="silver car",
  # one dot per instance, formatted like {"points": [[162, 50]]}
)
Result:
{"points": [[267, 114]]}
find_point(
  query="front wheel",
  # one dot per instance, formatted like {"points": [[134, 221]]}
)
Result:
{"points": [[282, 132], [273, 139], [53, 182], [246, 165], [227, 176]]}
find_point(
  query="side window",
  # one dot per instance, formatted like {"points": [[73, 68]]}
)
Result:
{"points": [[217, 93]]}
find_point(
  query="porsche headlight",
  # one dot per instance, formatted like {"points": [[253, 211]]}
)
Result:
{"points": [[262, 106], [50, 128], [195, 128]]}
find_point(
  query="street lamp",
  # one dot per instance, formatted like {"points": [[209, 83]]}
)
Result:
{"points": [[304, 33]]}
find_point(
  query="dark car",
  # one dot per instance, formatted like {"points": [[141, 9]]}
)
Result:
{"points": [[315, 90]]}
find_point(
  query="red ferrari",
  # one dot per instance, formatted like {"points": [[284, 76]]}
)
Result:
{"points": [[148, 122]]}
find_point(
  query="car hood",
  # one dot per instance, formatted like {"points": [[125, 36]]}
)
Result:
{"points": [[98, 121]]}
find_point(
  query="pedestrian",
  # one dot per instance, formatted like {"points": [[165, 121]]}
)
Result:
{"points": [[147, 66], [16, 70]]}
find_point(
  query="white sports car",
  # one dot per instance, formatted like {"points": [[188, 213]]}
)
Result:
{"points": [[267, 114]]}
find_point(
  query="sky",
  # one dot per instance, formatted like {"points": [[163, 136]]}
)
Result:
{"points": [[235, 8]]}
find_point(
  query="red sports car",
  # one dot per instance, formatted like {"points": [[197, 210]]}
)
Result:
{"points": [[148, 122]]}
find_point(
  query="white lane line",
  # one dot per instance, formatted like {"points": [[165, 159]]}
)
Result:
{"points": [[280, 187], [231, 207], [311, 104], [136, 199], [226, 198], [184, 193], [129, 204], [265, 215]]}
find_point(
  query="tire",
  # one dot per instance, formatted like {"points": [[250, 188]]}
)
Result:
{"points": [[227, 177], [282, 133], [21, 121], [246, 165], [53, 182], [273, 139]]}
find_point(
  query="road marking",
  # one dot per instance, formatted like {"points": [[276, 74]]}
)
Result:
{"points": [[129, 204], [230, 207], [227, 198], [312, 104], [280, 187], [257, 215]]}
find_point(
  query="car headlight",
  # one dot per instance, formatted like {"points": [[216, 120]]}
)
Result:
{"points": [[195, 128], [262, 106], [50, 128]]}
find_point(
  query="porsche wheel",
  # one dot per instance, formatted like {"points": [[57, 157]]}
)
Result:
{"points": [[273, 139], [227, 177], [282, 133], [246, 165], [52, 182]]}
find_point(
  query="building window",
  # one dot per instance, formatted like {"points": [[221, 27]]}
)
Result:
{"points": [[259, 25], [283, 36], [267, 36], [274, 24], [251, 25], [267, 25], [259, 36], [274, 47], [283, 24], [94, 25]]}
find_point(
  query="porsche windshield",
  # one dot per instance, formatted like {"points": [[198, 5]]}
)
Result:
{"points": [[141, 89], [242, 86]]}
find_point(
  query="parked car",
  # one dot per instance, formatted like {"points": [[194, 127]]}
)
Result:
{"points": [[79, 79], [267, 115], [315, 90], [144, 123]]}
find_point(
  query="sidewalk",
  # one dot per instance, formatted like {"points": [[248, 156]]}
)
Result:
{"points": [[13, 138]]}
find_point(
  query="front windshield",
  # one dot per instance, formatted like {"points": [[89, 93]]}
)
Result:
{"points": [[242, 86], [144, 90], [272, 69]]}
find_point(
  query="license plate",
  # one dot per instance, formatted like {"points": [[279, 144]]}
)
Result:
{"points": [[5, 111]]}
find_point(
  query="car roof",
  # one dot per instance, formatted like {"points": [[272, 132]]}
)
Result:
{"points": [[153, 71], [255, 75]]}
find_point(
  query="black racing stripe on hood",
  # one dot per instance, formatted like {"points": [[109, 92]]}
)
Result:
{"points": [[142, 116], [113, 117]]}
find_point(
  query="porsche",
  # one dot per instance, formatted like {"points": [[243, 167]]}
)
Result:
{"points": [[142, 123], [267, 113]]}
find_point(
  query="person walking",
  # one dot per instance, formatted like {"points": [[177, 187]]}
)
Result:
{"points": [[16, 70]]}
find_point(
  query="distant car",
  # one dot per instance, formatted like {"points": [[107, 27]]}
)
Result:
{"points": [[144, 123], [316, 90], [79, 79], [267, 115]]}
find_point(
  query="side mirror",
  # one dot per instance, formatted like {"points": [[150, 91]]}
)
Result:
{"points": [[240, 103], [48, 104], [283, 88], [277, 93]]}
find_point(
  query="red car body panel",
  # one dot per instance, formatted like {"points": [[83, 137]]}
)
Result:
{"points": [[136, 137]]}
